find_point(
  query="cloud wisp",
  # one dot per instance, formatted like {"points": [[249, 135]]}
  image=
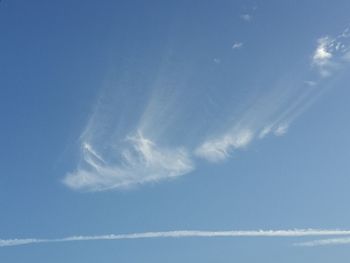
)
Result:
{"points": [[325, 242], [219, 149], [237, 45], [332, 53], [141, 161], [270, 113], [122, 147], [182, 234]]}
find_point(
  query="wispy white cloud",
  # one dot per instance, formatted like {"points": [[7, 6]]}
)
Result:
{"points": [[281, 129], [219, 149], [237, 45], [121, 151], [277, 129], [331, 53], [141, 161], [271, 112], [125, 143], [19, 242], [322, 53], [325, 242], [183, 234], [275, 110]]}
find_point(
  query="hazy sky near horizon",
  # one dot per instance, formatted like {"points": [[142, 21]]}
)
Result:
{"points": [[168, 131]]}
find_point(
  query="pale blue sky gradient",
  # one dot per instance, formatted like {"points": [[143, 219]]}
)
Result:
{"points": [[102, 72]]}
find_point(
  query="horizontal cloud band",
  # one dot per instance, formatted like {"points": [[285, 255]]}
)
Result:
{"points": [[325, 242], [183, 234]]}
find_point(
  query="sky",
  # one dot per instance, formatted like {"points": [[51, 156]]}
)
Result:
{"points": [[174, 131]]}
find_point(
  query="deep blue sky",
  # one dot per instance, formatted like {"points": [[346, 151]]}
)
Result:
{"points": [[87, 86]]}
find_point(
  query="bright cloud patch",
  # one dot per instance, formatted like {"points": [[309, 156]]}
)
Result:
{"points": [[140, 162], [322, 54], [331, 53], [219, 149]]}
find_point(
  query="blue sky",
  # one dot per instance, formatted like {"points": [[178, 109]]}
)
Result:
{"points": [[223, 122]]}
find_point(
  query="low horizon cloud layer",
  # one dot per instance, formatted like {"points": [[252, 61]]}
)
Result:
{"points": [[194, 234], [130, 142]]}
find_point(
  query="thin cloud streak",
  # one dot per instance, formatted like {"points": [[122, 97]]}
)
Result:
{"points": [[182, 234], [325, 242]]}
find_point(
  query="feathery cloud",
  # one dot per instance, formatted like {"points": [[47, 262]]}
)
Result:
{"points": [[219, 149], [141, 161]]}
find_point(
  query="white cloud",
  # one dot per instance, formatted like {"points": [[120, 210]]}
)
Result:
{"points": [[184, 234], [272, 113], [322, 53], [141, 161], [19, 242], [281, 129], [237, 45], [325, 242], [108, 160], [276, 129], [219, 149], [331, 53]]}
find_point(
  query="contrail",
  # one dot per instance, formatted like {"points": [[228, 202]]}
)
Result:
{"points": [[182, 234], [325, 242]]}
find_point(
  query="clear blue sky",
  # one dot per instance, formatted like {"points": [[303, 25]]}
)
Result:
{"points": [[135, 116]]}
